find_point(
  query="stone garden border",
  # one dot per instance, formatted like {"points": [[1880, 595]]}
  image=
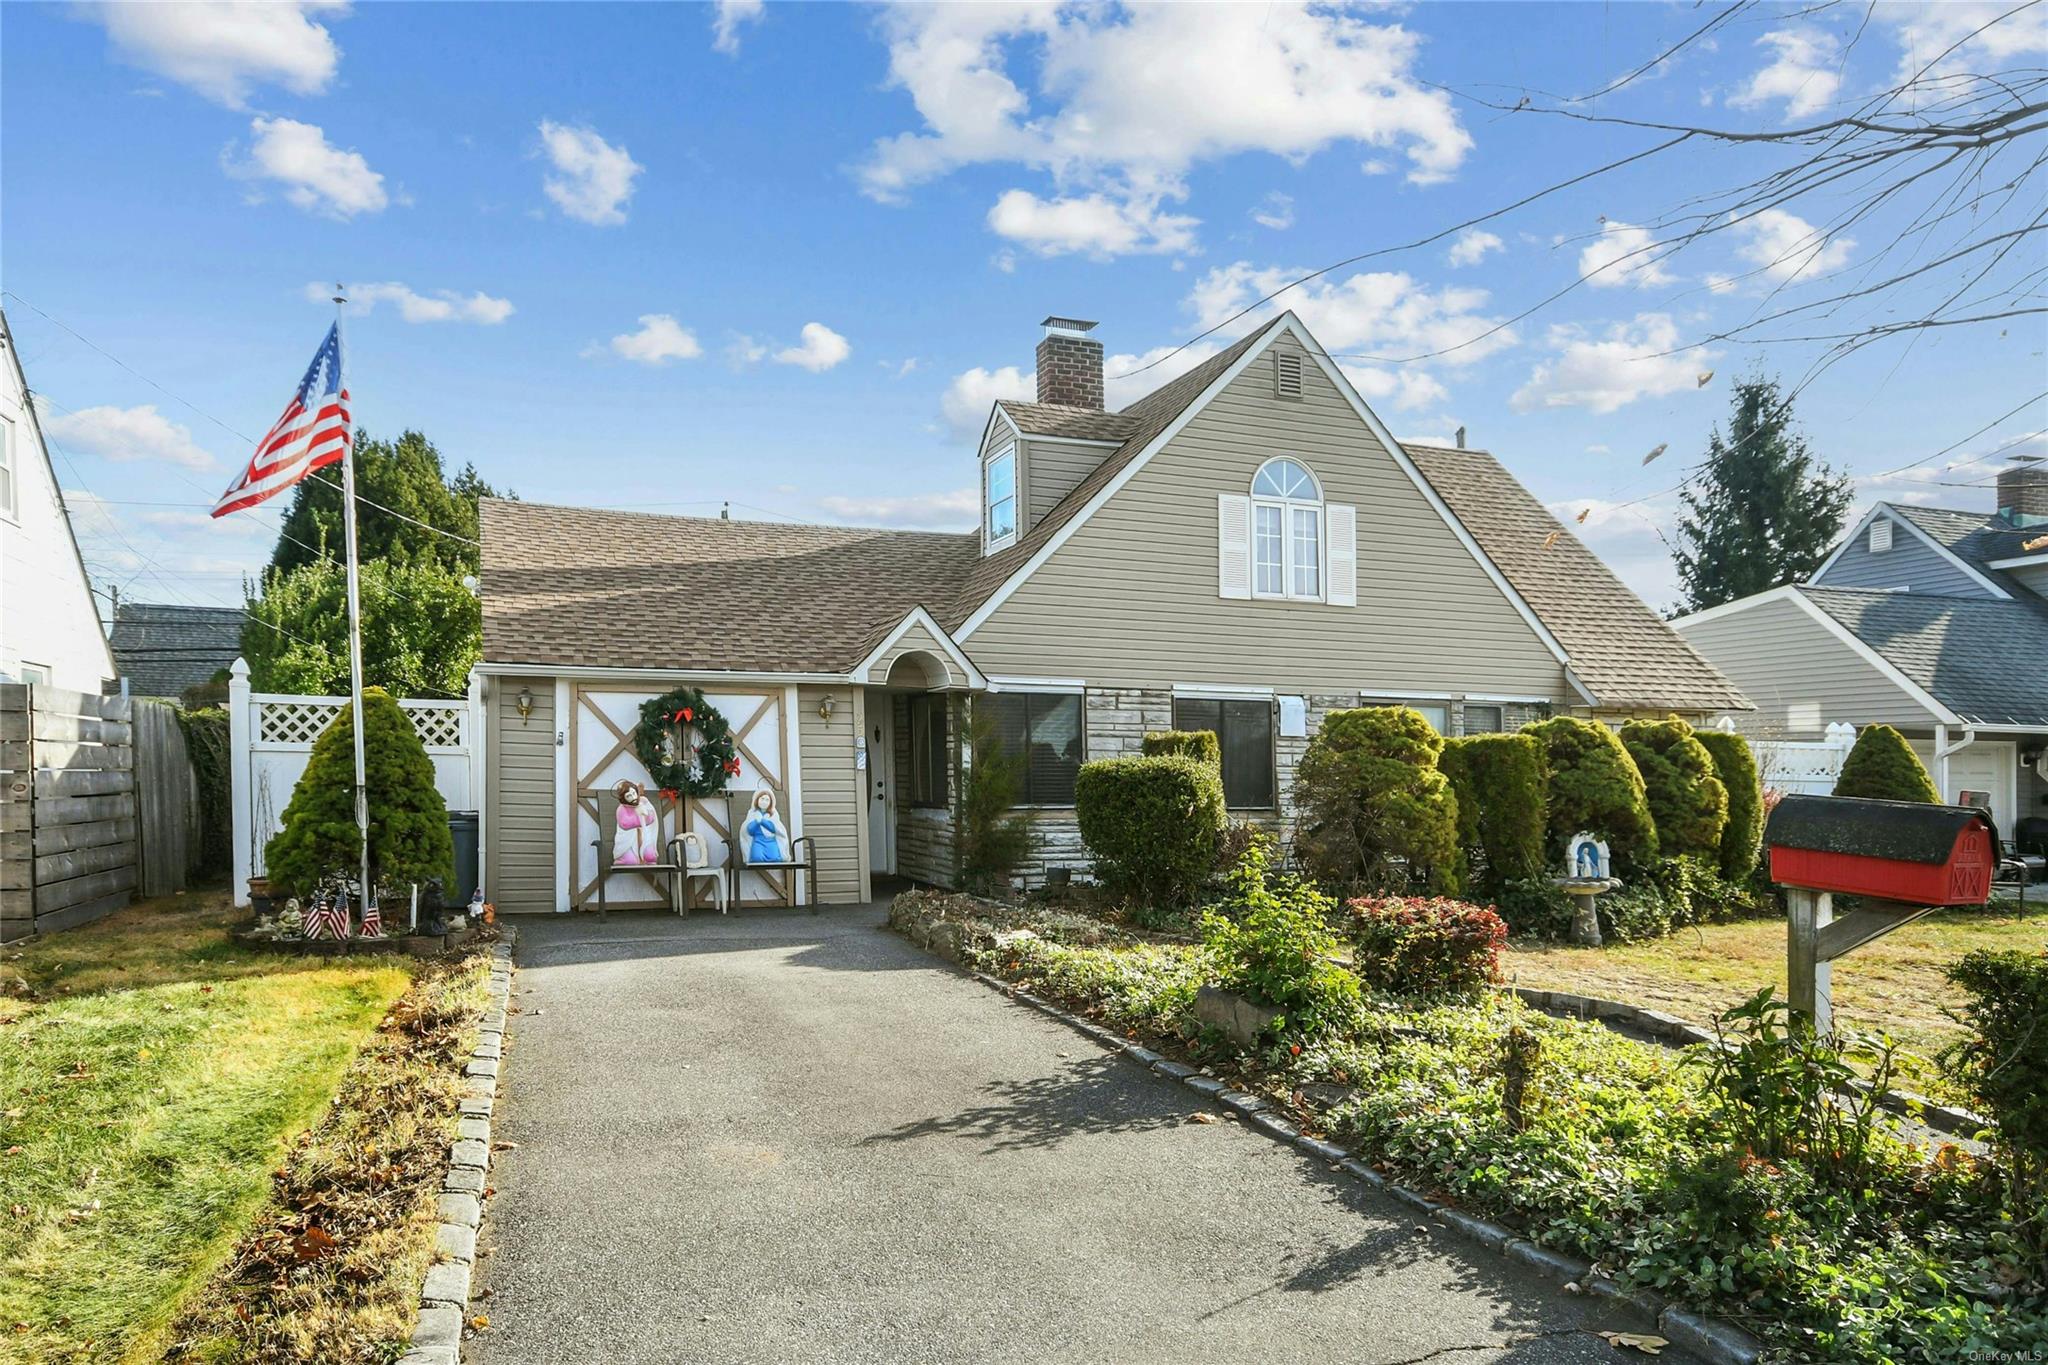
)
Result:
{"points": [[1711, 1339], [444, 1293]]}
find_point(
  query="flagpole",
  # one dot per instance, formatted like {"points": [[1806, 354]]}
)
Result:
{"points": [[355, 618]]}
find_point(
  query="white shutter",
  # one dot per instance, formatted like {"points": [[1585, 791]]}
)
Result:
{"points": [[1342, 521], [1233, 545]]}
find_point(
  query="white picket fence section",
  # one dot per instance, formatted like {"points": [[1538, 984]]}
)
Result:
{"points": [[271, 738], [1808, 767]]}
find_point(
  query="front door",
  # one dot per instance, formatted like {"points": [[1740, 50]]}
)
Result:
{"points": [[881, 739]]}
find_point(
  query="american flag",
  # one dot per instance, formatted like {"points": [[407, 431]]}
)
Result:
{"points": [[327, 916], [312, 434]]}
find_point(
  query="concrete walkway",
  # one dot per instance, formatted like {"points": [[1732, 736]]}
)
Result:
{"points": [[779, 1137]]}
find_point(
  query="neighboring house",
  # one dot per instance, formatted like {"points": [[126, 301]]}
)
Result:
{"points": [[1242, 550], [162, 648], [49, 625], [1931, 620]]}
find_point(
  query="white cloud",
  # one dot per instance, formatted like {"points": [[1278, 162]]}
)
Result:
{"points": [[953, 510], [1127, 378], [1472, 246], [1276, 211], [128, 435], [1406, 390], [224, 50], [744, 350], [1095, 224], [1804, 72], [443, 305], [1125, 100], [1925, 32], [1718, 283], [316, 175], [966, 402], [593, 179], [1613, 370], [1784, 246], [727, 21], [660, 339], [821, 349], [1623, 254]]}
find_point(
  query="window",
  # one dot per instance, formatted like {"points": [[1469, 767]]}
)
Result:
{"points": [[1245, 731], [1045, 729], [1002, 497], [1482, 719], [38, 674], [1880, 535], [1287, 532], [928, 749], [1286, 374], [6, 468], [1437, 713]]}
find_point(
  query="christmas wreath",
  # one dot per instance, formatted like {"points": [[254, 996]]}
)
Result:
{"points": [[685, 744]]}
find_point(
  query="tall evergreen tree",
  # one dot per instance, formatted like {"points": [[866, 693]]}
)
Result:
{"points": [[1765, 513], [406, 476]]}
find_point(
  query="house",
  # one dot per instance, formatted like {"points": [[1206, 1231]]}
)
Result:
{"points": [[1242, 550], [1928, 619], [49, 625], [163, 648]]}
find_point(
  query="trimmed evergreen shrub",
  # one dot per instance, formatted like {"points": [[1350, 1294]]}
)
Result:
{"points": [[1414, 946], [1501, 804], [1742, 837], [1688, 804], [409, 838], [994, 838], [1593, 785], [1372, 813], [1197, 744], [1272, 943], [1153, 824], [1884, 766]]}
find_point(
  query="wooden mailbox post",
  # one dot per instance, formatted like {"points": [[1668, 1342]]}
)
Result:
{"points": [[1906, 859]]}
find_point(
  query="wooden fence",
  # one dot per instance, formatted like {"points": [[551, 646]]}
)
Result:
{"points": [[69, 833]]}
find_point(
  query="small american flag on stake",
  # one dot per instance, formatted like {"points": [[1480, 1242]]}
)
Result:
{"points": [[312, 434]]}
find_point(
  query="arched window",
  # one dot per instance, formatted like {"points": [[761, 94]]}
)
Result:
{"points": [[1287, 531]]}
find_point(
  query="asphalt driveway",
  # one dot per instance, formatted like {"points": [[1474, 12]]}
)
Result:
{"points": [[779, 1137]]}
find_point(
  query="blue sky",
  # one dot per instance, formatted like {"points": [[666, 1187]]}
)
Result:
{"points": [[665, 256]]}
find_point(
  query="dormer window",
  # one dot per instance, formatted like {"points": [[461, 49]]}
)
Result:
{"points": [[1287, 532], [1880, 535], [999, 482]]}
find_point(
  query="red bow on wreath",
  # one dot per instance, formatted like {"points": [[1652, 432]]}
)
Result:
{"points": [[669, 792], [686, 715], [732, 766]]}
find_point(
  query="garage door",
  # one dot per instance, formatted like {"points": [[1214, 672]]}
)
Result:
{"points": [[1984, 767]]}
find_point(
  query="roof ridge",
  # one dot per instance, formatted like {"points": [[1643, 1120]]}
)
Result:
{"points": [[731, 521]]}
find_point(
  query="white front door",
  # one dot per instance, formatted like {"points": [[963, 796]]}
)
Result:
{"points": [[881, 738]]}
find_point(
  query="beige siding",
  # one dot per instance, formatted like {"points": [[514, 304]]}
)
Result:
{"points": [[1054, 468], [914, 640], [1130, 599], [520, 781], [1801, 675], [832, 792]]}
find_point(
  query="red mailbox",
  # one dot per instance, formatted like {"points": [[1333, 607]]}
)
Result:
{"points": [[1903, 851]]}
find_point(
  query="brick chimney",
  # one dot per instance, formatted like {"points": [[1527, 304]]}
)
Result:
{"points": [[1070, 364], [2022, 490]]}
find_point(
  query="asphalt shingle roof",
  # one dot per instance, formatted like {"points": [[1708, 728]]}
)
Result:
{"points": [[1976, 538], [582, 586], [162, 648], [1055, 419], [1983, 659], [1619, 648]]}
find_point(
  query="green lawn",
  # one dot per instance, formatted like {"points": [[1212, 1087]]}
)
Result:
{"points": [[1894, 984], [147, 1091]]}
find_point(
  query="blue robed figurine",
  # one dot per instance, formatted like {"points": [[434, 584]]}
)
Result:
{"points": [[767, 839]]}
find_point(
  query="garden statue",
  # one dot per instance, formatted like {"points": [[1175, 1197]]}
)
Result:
{"points": [[1588, 857], [767, 838], [637, 840]]}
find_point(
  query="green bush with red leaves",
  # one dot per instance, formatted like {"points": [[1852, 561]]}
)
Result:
{"points": [[1413, 945]]}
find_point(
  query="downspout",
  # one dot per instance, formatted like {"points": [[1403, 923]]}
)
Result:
{"points": [[1942, 750]]}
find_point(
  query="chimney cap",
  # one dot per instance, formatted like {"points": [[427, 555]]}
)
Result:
{"points": [[1075, 326]]}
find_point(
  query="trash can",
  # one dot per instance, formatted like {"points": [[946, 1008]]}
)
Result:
{"points": [[462, 824]]}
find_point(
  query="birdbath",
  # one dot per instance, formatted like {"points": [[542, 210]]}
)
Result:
{"points": [[1585, 894]]}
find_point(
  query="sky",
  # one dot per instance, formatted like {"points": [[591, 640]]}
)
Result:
{"points": [[668, 257]]}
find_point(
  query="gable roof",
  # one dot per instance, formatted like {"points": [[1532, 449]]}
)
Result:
{"points": [[1943, 530], [584, 587], [1978, 656], [1979, 539], [162, 648], [1621, 651], [1067, 423]]}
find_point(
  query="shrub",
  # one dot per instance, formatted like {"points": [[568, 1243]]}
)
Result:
{"points": [[1425, 947], [1273, 944], [1372, 811], [1594, 785], [409, 838], [1884, 766], [1499, 784], [1201, 745], [993, 837], [1688, 804], [207, 746], [1153, 825], [1742, 837], [1535, 906], [2003, 1064]]}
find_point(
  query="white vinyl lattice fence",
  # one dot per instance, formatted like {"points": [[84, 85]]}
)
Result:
{"points": [[271, 737], [1808, 767]]}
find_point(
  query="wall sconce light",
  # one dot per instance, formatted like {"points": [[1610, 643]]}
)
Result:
{"points": [[825, 707], [524, 702]]}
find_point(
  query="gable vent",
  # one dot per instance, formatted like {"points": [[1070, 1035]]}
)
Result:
{"points": [[1880, 535], [1287, 374]]}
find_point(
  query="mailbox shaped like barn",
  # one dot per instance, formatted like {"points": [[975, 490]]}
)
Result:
{"points": [[1903, 851]]}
